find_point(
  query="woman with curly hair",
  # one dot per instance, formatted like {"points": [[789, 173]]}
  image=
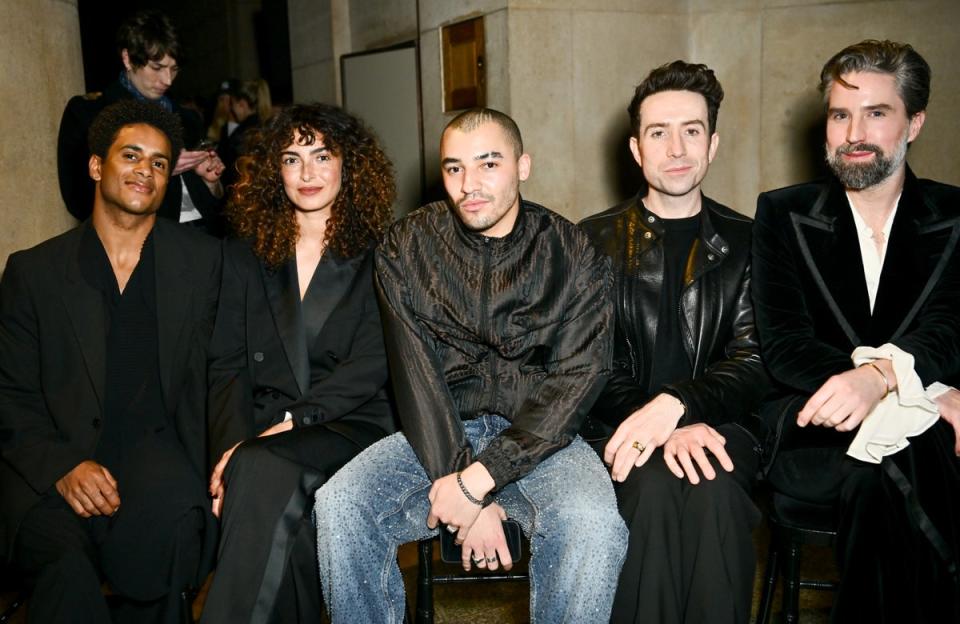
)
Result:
{"points": [[298, 372]]}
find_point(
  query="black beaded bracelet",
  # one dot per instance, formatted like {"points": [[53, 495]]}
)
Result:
{"points": [[466, 492]]}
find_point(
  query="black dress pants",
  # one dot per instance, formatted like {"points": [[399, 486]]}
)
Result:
{"points": [[149, 551], [690, 557], [267, 566], [889, 570]]}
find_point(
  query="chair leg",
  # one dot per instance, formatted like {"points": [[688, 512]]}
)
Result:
{"points": [[425, 582], [186, 605], [769, 583], [791, 584]]}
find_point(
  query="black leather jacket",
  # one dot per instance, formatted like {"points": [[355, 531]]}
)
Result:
{"points": [[518, 326], [716, 316]]}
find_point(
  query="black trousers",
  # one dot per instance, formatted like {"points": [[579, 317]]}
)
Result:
{"points": [[690, 557], [267, 565], [889, 570], [149, 551]]}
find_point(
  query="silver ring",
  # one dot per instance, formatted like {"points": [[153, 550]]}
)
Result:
{"points": [[452, 529], [476, 559], [492, 559]]}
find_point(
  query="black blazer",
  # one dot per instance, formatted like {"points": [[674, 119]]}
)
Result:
{"points": [[259, 368], [810, 295], [73, 154], [52, 359]]}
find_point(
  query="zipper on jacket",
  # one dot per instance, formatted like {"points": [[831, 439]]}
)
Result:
{"points": [[484, 317]]}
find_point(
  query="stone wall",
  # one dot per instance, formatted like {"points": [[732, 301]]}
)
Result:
{"points": [[566, 69], [41, 68]]}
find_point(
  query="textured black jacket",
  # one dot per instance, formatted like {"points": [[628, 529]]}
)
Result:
{"points": [[518, 326], [716, 315]]}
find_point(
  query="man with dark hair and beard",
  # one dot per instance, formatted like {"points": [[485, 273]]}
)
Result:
{"points": [[857, 298]]}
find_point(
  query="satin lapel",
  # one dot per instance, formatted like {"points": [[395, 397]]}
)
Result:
{"points": [[337, 276], [921, 245], [84, 306], [283, 293], [828, 242], [175, 292]]}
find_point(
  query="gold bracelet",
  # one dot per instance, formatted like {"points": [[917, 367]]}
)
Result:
{"points": [[886, 382]]}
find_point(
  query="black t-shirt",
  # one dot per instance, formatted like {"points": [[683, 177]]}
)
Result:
{"points": [[670, 360]]}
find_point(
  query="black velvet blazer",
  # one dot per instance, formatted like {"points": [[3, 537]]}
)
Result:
{"points": [[260, 367], [811, 299]]}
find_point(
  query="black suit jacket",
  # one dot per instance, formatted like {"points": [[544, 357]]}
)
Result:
{"points": [[260, 368], [52, 359], [811, 299], [73, 154]]}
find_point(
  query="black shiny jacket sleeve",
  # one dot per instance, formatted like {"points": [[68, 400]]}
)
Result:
{"points": [[553, 412], [427, 413], [729, 388]]}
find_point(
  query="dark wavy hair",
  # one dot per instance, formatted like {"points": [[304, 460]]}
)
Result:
{"points": [[910, 71], [108, 123], [148, 36], [260, 210], [679, 76]]}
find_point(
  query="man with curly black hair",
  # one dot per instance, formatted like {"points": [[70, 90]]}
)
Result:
{"points": [[150, 50], [103, 334]]}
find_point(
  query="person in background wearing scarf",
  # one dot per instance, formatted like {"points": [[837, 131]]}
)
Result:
{"points": [[150, 50]]}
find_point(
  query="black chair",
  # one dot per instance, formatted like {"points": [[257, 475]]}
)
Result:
{"points": [[793, 524], [426, 579]]}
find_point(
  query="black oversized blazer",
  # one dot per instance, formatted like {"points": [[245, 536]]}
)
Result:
{"points": [[260, 369], [53, 358], [811, 302]]}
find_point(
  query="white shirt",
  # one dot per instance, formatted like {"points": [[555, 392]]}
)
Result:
{"points": [[188, 210], [872, 259]]}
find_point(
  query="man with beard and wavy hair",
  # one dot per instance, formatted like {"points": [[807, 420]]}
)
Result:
{"points": [[857, 295]]}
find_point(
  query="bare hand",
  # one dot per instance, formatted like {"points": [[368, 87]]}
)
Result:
{"points": [[216, 480], [686, 445], [844, 400], [189, 159], [210, 169], [90, 490], [448, 503], [485, 540], [649, 427], [949, 405]]}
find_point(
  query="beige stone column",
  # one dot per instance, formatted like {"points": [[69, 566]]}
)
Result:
{"points": [[40, 68]]}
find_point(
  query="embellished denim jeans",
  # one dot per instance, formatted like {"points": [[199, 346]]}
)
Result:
{"points": [[378, 501]]}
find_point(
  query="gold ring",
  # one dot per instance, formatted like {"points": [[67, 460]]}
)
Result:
{"points": [[636, 444]]}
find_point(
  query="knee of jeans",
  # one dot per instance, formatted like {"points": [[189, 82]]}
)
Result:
{"points": [[585, 515]]}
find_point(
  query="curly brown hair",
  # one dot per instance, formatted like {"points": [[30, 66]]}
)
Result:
{"points": [[260, 210]]}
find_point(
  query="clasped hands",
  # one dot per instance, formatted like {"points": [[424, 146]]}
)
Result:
{"points": [[655, 425], [479, 529]]}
